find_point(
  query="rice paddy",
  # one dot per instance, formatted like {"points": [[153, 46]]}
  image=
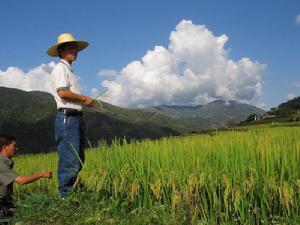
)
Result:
{"points": [[233, 177]]}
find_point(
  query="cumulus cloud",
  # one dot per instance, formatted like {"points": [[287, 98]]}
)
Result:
{"points": [[107, 73], [36, 79], [297, 20], [194, 69]]}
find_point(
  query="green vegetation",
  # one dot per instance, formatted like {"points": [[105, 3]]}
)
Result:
{"points": [[286, 112], [234, 177], [30, 117]]}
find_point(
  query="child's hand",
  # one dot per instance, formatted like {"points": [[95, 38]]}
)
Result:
{"points": [[47, 174]]}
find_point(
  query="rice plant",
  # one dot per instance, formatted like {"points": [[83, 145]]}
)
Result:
{"points": [[234, 177]]}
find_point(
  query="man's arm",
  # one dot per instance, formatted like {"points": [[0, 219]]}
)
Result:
{"points": [[33, 177], [69, 95]]}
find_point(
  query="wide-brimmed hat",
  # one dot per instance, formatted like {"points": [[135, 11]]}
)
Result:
{"points": [[66, 38]]}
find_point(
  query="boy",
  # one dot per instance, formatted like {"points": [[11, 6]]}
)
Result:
{"points": [[8, 175]]}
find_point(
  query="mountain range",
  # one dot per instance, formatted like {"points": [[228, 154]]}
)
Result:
{"points": [[210, 116], [30, 117]]}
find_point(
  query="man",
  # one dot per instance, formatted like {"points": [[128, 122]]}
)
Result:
{"points": [[69, 125], [8, 176]]}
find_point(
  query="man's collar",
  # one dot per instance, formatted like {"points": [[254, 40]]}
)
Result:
{"points": [[67, 64]]}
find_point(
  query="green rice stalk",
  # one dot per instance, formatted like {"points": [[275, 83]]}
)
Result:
{"points": [[98, 103]]}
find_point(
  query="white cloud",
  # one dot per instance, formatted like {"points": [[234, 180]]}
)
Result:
{"points": [[193, 69], [290, 96], [297, 20], [107, 73], [36, 79]]}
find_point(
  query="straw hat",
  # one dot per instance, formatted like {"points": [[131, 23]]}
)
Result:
{"points": [[66, 38]]}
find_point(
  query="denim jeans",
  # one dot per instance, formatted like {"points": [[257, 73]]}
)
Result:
{"points": [[69, 135]]}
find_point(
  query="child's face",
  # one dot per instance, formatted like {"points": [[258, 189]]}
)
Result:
{"points": [[10, 149]]}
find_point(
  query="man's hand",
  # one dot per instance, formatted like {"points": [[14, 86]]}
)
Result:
{"points": [[88, 101]]}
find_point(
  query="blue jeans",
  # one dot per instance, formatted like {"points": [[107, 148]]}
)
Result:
{"points": [[69, 135]]}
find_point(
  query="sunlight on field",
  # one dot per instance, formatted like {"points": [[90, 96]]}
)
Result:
{"points": [[246, 176]]}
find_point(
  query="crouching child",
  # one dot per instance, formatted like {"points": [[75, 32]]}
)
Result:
{"points": [[8, 176]]}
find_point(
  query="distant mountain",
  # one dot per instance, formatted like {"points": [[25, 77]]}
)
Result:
{"points": [[30, 117], [213, 115]]}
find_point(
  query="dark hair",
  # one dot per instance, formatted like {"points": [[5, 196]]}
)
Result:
{"points": [[6, 140]]}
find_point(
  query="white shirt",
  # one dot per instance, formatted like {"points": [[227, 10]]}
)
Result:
{"points": [[62, 77]]}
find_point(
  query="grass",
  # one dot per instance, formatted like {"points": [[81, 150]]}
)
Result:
{"points": [[233, 177]]}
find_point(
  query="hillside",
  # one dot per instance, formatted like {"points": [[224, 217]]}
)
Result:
{"points": [[213, 115], [285, 112], [288, 110], [30, 117]]}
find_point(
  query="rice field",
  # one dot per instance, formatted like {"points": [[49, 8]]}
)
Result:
{"points": [[233, 177]]}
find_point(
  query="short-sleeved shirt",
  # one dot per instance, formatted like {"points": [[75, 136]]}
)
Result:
{"points": [[7, 176], [62, 77]]}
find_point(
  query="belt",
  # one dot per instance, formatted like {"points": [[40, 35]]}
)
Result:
{"points": [[70, 112]]}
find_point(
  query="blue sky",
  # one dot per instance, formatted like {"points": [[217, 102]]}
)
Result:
{"points": [[122, 32]]}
